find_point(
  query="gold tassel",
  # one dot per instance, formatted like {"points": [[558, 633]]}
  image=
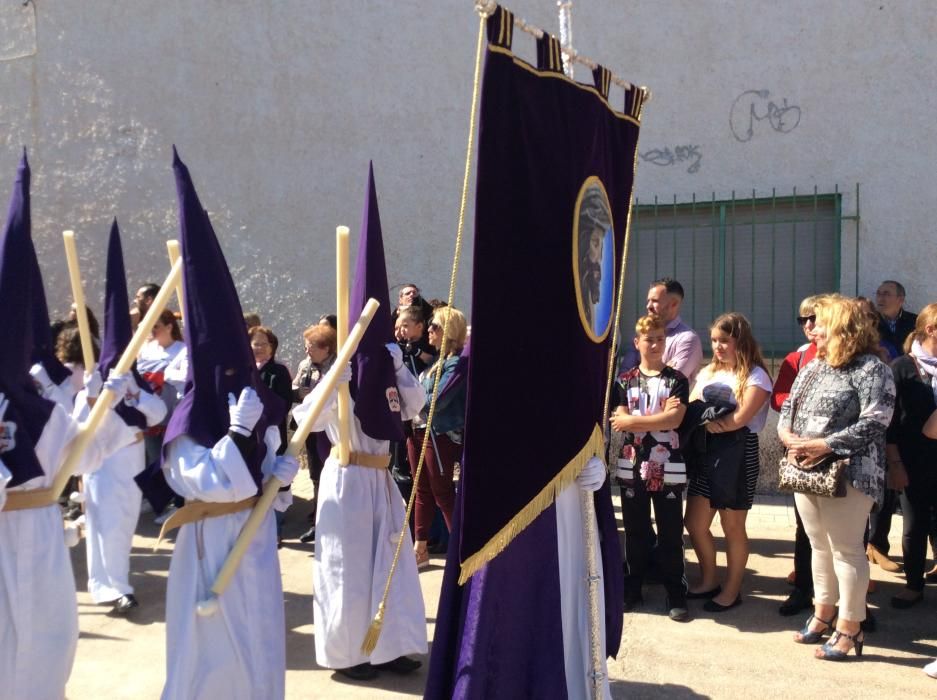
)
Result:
{"points": [[374, 632], [595, 445]]}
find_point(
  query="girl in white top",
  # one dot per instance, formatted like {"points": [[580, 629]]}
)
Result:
{"points": [[736, 376]]}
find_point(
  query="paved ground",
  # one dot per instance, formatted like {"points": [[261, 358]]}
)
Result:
{"points": [[745, 652]]}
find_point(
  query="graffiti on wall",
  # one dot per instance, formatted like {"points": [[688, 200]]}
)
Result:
{"points": [[680, 154], [756, 107]]}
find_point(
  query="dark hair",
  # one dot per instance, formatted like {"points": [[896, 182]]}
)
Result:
{"points": [[330, 320], [68, 346], [899, 288], [93, 325], [670, 284], [251, 319], [269, 334], [150, 289]]}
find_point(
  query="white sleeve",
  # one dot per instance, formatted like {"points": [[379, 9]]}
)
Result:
{"points": [[758, 377], [176, 370], [215, 474], [329, 411], [152, 407], [412, 395]]}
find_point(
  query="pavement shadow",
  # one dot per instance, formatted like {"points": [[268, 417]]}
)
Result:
{"points": [[635, 690]]}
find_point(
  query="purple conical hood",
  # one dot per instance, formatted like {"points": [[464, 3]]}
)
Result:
{"points": [[220, 358], [19, 282], [374, 383], [117, 330]]}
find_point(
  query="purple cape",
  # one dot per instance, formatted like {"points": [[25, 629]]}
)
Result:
{"points": [[373, 383], [220, 358], [20, 288], [117, 331]]}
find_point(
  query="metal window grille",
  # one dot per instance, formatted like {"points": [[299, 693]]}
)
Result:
{"points": [[759, 256]]}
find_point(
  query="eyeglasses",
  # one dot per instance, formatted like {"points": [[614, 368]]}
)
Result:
{"points": [[434, 327], [257, 344], [803, 320]]}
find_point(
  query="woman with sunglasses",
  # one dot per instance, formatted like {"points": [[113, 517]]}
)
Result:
{"points": [[801, 598], [444, 448]]}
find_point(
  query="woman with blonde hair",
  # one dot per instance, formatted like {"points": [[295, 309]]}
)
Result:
{"points": [[735, 378], [841, 403], [444, 448]]}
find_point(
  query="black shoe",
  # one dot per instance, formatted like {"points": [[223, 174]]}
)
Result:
{"points": [[704, 595], [632, 600], [899, 603], [361, 672], [307, 537], [796, 601], [713, 606], [677, 610], [402, 665], [125, 604]]}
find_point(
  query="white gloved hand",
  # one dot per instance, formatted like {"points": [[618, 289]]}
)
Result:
{"points": [[592, 475], [344, 376], [124, 387], [285, 468], [245, 412], [7, 428], [117, 383], [396, 354], [41, 379], [93, 383]]}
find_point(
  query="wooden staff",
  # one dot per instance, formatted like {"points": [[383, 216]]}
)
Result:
{"points": [[81, 309], [297, 443], [103, 404], [341, 332], [172, 246]]}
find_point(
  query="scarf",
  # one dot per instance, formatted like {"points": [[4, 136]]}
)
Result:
{"points": [[927, 364]]}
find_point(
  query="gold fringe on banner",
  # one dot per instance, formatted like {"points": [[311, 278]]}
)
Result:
{"points": [[594, 446]]}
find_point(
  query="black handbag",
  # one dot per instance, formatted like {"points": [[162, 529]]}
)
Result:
{"points": [[825, 476]]}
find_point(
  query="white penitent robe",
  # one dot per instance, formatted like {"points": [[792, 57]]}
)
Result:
{"points": [[359, 518], [112, 508], [5, 477], [574, 596], [240, 651], [38, 606]]}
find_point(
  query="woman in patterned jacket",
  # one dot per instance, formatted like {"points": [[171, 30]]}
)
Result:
{"points": [[841, 403]]}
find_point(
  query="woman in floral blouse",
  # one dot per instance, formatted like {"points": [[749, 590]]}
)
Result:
{"points": [[842, 403]]}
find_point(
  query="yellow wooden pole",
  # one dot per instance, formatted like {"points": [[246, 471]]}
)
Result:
{"points": [[296, 445], [172, 246], [341, 332], [105, 400], [81, 309]]}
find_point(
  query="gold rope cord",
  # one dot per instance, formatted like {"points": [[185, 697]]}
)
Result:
{"points": [[374, 631]]}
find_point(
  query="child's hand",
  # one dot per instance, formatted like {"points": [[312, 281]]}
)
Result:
{"points": [[620, 420]]}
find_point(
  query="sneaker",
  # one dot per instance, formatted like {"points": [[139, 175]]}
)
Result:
{"points": [[164, 516], [308, 536], [125, 604]]}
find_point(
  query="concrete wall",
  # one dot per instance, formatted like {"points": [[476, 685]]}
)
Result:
{"points": [[278, 106]]}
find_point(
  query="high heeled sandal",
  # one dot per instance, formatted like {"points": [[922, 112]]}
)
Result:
{"points": [[808, 636], [829, 652]]}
